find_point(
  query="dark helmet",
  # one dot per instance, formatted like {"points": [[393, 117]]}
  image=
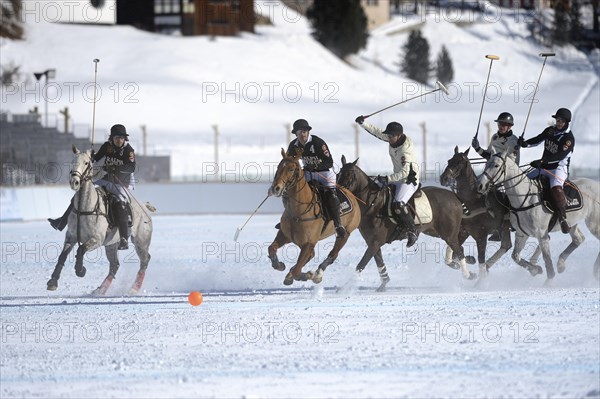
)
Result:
{"points": [[563, 113], [301, 124], [393, 128], [505, 117], [118, 130]]}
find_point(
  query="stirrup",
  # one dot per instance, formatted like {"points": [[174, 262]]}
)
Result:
{"points": [[411, 238], [123, 244], [564, 226], [56, 224]]}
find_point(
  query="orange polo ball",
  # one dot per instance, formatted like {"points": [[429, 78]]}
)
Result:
{"points": [[195, 298]]}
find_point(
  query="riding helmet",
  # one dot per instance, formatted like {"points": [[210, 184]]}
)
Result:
{"points": [[393, 128], [505, 117], [563, 113], [301, 124], [118, 130]]}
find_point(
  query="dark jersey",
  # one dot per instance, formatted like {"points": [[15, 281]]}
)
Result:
{"points": [[316, 156], [122, 159], [557, 146]]}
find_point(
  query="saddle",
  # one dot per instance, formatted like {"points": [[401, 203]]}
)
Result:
{"points": [[572, 194], [345, 204], [418, 206], [109, 202]]}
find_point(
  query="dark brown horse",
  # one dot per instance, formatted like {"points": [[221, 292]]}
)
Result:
{"points": [[377, 228], [480, 222], [302, 221]]}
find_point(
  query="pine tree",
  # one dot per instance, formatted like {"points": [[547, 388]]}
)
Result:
{"points": [[415, 63], [10, 14], [575, 20], [561, 33], [340, 26], [445, 71]]}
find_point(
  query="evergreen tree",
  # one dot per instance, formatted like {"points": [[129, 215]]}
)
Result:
{"points": [[10, 14], [415, 63], [445, 71], [562, 31], [340, 26], [575, 20]]}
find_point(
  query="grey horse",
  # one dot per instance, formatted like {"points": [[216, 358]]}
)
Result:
{"points": [[88, 225], [530, 219]]}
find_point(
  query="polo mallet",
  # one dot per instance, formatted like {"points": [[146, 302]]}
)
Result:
{"points": [[239, 230], [545, 55], [96, 61], [438, 84], [492, 58]]}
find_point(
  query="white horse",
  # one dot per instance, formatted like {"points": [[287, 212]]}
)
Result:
{"points": [[88, 225], [530, 219]]}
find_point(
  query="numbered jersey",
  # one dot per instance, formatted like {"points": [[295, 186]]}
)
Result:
{"points": [[316, 156]]}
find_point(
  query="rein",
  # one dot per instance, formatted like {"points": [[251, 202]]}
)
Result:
{"points": [[85, 176], [296, 180]]}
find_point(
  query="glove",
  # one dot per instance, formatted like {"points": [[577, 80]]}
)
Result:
{"points": [[111, 169], [475, 144], [360, 120], [412, 176], [93, 155], [521, 142], [383, 180], [536, 164]]}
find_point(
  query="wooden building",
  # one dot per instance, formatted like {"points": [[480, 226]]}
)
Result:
{"points": [[188, 17]]}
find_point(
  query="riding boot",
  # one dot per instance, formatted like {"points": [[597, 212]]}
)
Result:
{"points": [[404, 218], [121, 220], [560, 202], [60, 223], [333, 207]]}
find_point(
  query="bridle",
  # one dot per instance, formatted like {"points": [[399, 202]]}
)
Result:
{"points": [[290, 181], [86, 174]]}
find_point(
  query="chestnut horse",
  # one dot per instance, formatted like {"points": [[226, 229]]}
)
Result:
{"points": [[302, 221]]}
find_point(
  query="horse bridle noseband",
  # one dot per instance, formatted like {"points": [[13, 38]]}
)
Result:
{"points": [[85, 175]]}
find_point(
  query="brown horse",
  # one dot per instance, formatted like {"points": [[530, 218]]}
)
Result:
{"points": [[302, 221], [377, 229], [480, 222]]}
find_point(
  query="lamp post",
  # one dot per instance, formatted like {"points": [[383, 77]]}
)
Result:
{"points": [[48, 74]]}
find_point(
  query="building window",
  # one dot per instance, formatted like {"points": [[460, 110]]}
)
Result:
{"points": [[167, 7], [373, 3]]}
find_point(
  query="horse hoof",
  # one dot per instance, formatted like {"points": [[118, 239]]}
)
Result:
{"points": [[470, 260], [52, 284], [381, 288], [318, 277], [548, 283], [288, 281], [453, 265], [98, 292], [561, 266], [472, 276], [80, 272], [280, 266], [535, 270]]}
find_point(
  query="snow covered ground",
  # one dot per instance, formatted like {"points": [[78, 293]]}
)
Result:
{"points": [[432, 334]]}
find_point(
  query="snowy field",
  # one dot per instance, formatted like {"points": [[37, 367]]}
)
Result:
{"points": [[432, 334]]}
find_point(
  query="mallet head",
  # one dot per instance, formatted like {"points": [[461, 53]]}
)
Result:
{"points": [[442, 87], [492, 57], [96, 60], [547, 54]]}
